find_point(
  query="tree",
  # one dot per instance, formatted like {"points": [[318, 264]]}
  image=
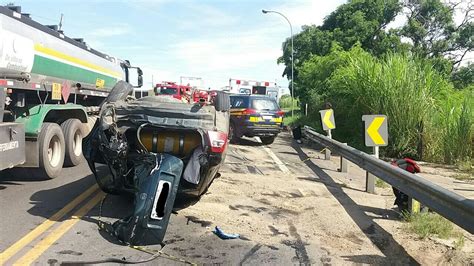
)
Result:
{"points": [[433, 33], [358, 21], [463, 77]]}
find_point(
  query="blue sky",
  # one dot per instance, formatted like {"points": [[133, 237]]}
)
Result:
{"points": [[215, 40]]}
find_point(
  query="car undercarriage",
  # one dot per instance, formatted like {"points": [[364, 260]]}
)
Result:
{"points": [[155, 149]]}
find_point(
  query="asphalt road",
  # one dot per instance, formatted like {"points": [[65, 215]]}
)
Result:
{"points": [[287, 209], [38, 222]]}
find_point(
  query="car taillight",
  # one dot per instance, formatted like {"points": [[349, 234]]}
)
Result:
{"points": [[249, 112], [280, 113], [218, 141]]}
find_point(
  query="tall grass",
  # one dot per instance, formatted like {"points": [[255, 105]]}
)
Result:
{"points": [[427, 118], [456, 130], [287, 102]]}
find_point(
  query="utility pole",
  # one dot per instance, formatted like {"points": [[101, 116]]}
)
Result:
{"points": [[292, 62]]}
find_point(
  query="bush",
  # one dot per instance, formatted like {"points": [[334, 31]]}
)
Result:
{"points": [[430, 224], [286, 102], [427, 118]]}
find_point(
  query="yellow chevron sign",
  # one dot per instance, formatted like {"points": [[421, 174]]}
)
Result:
{"points": [[327, 119], [376, 130]]}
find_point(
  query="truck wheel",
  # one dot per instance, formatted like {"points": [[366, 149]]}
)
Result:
{"points": [[73, 134], [267, 140], [222, 101], [51, 150]]}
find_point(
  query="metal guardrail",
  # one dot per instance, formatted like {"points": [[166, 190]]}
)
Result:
{"points": [[454, 207]]}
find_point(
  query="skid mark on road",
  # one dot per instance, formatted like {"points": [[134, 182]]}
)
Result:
{"points": [[250, 253], [298, 245]]}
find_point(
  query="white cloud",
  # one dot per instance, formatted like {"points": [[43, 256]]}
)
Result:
{"points": [[221, 57], [205, 17], [249, 53], [113, 30], [152, 75], [306, 12], [226, 49]]}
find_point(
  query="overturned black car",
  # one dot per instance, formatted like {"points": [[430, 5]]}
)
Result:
{"points": [[156, 148]]}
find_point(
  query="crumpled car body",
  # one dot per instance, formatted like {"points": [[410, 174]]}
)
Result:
{"points": [[156, 150]]}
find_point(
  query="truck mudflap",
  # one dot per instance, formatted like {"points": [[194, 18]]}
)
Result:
{"points": [[157, 180], [12, 144]]}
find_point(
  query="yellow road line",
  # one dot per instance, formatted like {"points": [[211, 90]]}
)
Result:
{"points": [[49, 240], [25, 240]]}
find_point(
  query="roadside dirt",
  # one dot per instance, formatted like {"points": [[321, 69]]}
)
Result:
{"points": [[380, 208], [316, 214]]}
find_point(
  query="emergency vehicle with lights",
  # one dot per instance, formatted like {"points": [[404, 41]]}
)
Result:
{"points": [[240, 86], [172, 89]]}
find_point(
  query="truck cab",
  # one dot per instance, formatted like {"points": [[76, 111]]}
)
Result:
{"points": [[167, 88]]}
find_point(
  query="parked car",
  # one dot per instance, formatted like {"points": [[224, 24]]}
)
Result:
{"points": [[156, 149], [254, 115]]}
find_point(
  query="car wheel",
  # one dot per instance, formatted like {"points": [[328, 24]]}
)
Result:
{"points": [[73, 134], [51, 150], [268, 140], [233, 138]]}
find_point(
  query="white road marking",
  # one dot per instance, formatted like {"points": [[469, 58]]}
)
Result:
{"points": [[277, 161]]}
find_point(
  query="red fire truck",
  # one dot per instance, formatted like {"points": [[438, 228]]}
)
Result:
{"points": [[180, 92], [184, 93]]}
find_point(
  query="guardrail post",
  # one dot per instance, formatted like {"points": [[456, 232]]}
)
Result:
{"points": [[370, 183], [370, 178], [343, 167], [327, 152]]}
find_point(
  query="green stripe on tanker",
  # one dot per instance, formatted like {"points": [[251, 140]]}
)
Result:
{"points": [[50, 67]]}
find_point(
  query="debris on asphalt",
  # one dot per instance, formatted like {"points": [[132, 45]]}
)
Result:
{"points": [[223, 235]]}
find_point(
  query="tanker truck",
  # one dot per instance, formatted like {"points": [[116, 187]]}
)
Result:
{"points": [[50, 84]]}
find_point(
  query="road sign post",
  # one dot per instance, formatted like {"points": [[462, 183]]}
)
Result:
{"points": [[328, 123], [376, 134], [327, 152]]}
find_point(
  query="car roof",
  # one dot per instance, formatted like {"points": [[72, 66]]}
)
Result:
{"points": [[252, 96]]}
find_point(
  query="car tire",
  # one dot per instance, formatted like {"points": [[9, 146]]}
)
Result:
{"points": [[51, 150], [267, 140], [233, 138], [73, 133], [222, 101]]}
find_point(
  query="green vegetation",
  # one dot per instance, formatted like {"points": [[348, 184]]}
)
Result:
{"points": [[428, 119], [286, 103], [467, 167], [464, 177], [432, 224], [353, 62], [288, 120], [380, 183]]}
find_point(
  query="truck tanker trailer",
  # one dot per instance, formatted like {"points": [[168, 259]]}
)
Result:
{"points": [[49, 84]]}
